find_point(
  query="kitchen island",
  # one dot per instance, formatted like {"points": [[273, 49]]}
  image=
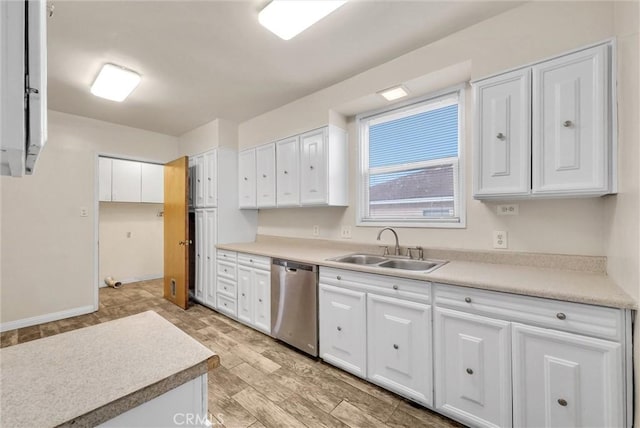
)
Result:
{"points": [[135, 371]]}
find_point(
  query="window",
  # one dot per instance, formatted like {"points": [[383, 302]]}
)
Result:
{"points": [[410, 164]]}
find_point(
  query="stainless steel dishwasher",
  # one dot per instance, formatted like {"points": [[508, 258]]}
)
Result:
{"points": [[294, 304]]}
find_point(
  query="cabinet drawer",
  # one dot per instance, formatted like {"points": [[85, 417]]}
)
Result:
{"points": [[226, 305], [597, 321], [227, 287], [230, 256], [381, 284], [226, 270], [259, 262]]}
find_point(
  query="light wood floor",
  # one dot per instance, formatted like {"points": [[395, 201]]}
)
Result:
{"points": [[260, 381]]}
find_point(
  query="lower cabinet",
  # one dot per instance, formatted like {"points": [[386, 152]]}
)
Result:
{"points": [[566, 380], [254, 297], [399, 346], [473, 368], [343, 328], [206, 233]]}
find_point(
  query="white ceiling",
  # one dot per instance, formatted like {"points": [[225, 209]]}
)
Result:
{"points": [[202, 60]]}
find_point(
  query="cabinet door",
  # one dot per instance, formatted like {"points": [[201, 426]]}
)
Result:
{"points": [[125, 181], [199, 182], [288, 177], [502, 137], [247, 179], [343, 329], [399, 347], [245, 295], [571, 124], [200, 264], [210, 220], [104, 179], [313, 168], [210, 178], [262, 300], [266, 176], [152, 183], [473, 368], [565, 380], [192, 180]]}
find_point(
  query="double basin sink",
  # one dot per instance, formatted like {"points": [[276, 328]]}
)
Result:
{"points": [[390, 262]]}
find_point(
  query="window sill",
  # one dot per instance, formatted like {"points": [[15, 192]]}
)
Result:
{"points": [[415, 224]]}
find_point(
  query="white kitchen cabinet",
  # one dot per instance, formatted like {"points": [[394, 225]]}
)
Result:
{"points": [[104, 179], [125, 181], [571, 123], [254, 291], [548, 135], [324, 167], [211, 178], [152, 183], [192, 181], [199, 253], [399, 346], [227, 283], [245, 295], [502, 148], [206, 231], [288, 172], [203, 179], [343, 328], [566, 380], [473, 368], [266, 176], [198, 199], [262, 300], [247, 179]]}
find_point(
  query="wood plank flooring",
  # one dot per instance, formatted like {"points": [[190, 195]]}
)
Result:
{"points": [[261, 382]]}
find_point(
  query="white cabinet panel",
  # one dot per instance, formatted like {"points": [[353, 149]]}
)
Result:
{"points": [[473, 368], [125, 181], [211, 236], [565, 380], [192, 181], [266, 176], [247, 179], [570, 123], [313, 168], [199, 181], [200, 245], [399, 346], [343, 328], [211, 178], [245, 295], [262, 300], [152, 183], [104, 179], [503, 135], [288, 175]]}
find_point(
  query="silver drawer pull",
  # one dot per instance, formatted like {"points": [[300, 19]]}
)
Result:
{"points": [[567, 123], [339, 328], [467, 299], [395, 346], [264, 175], [286, 172], [338, 277], [311, 167], [395, 287], [561, 316], [242, 294], [209, 178], [225, 269], [469, 371], [251, 260], [500, 136], [562, 402], [260, 300], [225, 288]]}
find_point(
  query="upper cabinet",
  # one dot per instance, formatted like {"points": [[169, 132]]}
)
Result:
{"points": [[122, 180], [547, 130], [203, 184], [152, 183], [126, 181], [309, 169]]}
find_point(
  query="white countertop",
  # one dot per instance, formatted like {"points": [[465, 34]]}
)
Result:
{"points": [[568, 285], [57, 379]]}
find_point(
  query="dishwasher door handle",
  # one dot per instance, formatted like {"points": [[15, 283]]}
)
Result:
{"points": [[290, 270]]}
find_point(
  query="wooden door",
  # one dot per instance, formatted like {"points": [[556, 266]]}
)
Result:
{"points": [[176, 232]]}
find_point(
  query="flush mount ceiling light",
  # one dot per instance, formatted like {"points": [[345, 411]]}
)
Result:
{"points": [[394, 93], [287, 18], [115, 83]]}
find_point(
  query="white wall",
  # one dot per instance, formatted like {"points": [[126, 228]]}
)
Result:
{"points": [[131, 241], [47, 249], [217, 133], [529, 33]]}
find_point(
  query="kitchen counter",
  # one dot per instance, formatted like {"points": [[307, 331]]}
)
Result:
{"points": [[583, 280], [88, 376]]}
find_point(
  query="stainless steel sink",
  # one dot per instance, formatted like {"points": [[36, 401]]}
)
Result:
{"points": [[390, 262]]}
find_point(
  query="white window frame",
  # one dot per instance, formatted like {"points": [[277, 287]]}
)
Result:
{"points": [[458, 164]]}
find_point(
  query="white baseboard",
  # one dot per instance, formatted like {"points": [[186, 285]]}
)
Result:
{"points": [[41, 319], [135, 279]]}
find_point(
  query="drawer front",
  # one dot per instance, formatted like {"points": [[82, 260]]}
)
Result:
{"points": [[381, 284], [227, 270], [596, 321], [226, 305], [227, 287], [230, 256], [258, 262]]}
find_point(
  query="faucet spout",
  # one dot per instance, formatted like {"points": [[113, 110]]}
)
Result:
{"points": [[397, 248]]}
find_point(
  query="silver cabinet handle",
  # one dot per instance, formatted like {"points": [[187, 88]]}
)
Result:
{"points": [[242, 294], [260, 300], [339, 328], [225, 269], [264, 175], [561, 316], [198, 180], [395, 346], [469, 371], [567, 123], [338, 277], [209, 178], [311, 167], [562, 402], [395, 287], [467, 299], [286, 172], [245, 178], [500, 136]]}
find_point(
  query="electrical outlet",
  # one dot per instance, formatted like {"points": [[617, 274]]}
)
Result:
{"points": [[500, 239], [345, 232], [511, 209], [316, 230], [84, 212], [128, 234]]}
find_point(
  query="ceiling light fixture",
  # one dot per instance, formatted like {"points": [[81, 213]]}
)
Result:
{"points": [[394, 93], [288, 18], [115, 83]]}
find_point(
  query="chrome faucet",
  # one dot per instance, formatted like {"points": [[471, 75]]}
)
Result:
{"points": [[397, 249]]}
